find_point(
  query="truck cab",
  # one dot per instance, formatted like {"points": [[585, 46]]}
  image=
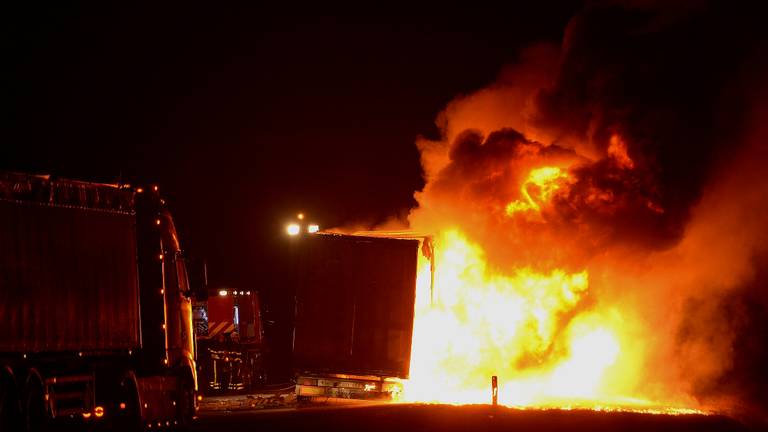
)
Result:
{"points": [[229, 334], [167, 361]]}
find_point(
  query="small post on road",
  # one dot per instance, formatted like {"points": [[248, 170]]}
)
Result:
{"points": [[495, 390]]}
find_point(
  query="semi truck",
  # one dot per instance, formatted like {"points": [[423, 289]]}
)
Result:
{"points": [[354, 308], [95, 303]]}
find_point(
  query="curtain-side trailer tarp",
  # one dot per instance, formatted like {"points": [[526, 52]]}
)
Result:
{"points": [[68, 273]]}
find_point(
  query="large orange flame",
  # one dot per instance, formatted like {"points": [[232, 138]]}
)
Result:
{"points": [[600, 237], [534, 322], [546, 180], [530, 329]]}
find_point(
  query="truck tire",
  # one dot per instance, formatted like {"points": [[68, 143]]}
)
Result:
{"points": [[9, 404], [35, 414], [185, 403]]}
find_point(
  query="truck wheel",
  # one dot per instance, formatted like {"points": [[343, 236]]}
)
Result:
{"points": [[35, 415], [185, 403], [9, 405]]}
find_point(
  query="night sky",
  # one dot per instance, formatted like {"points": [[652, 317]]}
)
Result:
{"points": [[244, 118]]}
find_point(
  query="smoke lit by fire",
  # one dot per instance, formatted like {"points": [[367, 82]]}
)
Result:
{"points": [[598, 220]]}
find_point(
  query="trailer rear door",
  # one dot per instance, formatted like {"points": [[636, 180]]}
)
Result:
{"points": [[355, 298]]}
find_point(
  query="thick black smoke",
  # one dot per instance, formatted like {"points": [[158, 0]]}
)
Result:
{"points": [[664, 79]]}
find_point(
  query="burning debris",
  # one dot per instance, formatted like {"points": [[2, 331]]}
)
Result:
{"points": [[593, 211]]}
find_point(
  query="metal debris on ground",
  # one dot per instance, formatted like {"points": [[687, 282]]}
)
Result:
{"points": [[281, 399]]}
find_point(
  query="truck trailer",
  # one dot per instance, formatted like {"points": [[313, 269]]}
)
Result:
{"points": [[353, 325], [95, 304]]}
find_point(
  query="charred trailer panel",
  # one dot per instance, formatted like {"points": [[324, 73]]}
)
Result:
{"points": [[354, 314]]}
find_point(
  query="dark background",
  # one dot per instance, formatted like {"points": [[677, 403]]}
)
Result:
{"points": [[245, 118]]}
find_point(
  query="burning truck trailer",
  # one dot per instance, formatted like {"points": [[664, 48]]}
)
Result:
{"points": [[354, 306], [95, 300]]}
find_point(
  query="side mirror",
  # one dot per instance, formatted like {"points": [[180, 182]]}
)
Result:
{"points": [[197, 271]]}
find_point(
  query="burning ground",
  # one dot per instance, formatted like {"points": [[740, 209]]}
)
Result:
{"points": [[599, 215]]}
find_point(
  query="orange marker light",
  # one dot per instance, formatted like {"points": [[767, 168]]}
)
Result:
{"points": [[122, 405], [86, 415], [98, 411]]}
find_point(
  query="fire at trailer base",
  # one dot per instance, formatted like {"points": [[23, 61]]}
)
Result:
{"points": [[531, 329]]}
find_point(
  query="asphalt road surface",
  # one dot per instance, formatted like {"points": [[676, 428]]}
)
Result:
{"points": [[408, 417]]}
